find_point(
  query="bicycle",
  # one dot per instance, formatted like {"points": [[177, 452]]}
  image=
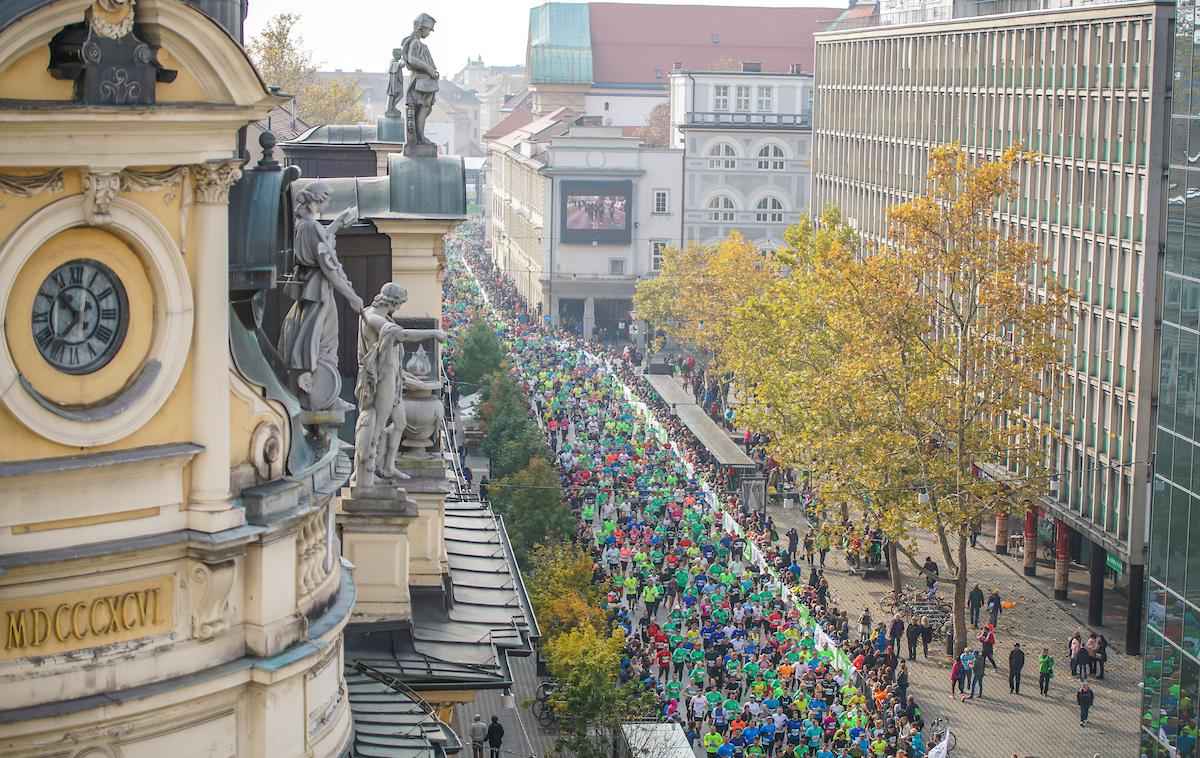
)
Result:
{"points": [[542, 708], [936, 731]]}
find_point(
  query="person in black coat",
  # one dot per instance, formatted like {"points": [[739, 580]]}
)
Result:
{"points": [[1085, 697], [1016, 662], [495, 736], [913, 634]]}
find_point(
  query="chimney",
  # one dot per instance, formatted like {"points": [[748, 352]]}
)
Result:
{"points": [[752, 67]]}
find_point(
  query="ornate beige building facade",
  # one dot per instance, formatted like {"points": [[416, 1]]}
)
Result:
{"points": [[150, 604]]}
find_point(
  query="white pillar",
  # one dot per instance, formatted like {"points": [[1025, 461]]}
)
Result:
{"points": [[211, 503], [589, 317]]}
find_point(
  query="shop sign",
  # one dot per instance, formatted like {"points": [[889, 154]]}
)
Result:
{"points": [[50, 624]]}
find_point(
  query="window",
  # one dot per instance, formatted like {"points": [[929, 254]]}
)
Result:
{"points": [[722, 155], [770, 158], [720, 208], [662, 201], [721, 97], [616, 266], [766, 99], [743, 97], [657, 248], [769, 210]]}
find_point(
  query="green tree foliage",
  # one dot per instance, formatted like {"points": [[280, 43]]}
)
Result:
{"points": [[590, 701], [531, 503], [481, 355], [282, 61], [561, 590]]}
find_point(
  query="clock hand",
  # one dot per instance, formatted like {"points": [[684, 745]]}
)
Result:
{"points": [[66, 301]]}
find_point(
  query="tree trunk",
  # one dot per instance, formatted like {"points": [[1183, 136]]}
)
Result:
{"points": [[894, 569], [959, 610]]}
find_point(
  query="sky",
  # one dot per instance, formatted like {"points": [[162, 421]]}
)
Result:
{"points": [[360, 34]]}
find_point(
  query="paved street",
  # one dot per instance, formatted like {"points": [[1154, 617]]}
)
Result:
{"points": [[1001, 724]]}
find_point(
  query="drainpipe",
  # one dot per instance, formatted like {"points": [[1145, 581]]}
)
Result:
{"points": [[683, 171]]}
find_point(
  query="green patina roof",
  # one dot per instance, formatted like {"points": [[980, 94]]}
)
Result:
{"points": [[414, 186], [339, 134], [560, 44]]}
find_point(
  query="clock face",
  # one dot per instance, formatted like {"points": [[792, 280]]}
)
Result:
{"points": [[80, 316]]}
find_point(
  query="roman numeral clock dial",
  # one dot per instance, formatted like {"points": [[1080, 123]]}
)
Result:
{"points": [[80, 316]]}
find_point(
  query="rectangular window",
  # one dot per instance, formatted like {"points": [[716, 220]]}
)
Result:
{"points": [[662, 201], [616, 266], [743, 97], [766, 99], [721, 97], [656, 254]]}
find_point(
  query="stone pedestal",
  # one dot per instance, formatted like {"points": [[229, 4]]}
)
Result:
{"points": [[375, 522], [429, 486], [390, 128]]}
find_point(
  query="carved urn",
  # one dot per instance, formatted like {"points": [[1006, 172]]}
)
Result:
{"points": [[422, 406]]}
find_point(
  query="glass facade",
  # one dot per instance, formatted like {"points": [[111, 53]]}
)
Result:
{"points": [[1172, 644]]}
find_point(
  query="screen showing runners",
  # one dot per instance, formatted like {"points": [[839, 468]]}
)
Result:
{"points": [[596, 212]]}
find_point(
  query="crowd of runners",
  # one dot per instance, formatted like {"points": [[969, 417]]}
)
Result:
{"points": [[743, 645]]}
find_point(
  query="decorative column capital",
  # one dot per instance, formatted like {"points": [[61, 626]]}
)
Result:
{"points": [[99, 189], [213, 181]]}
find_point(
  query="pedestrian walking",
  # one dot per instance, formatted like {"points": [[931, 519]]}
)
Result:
{"points": [[913, 635], [793, 539], [974, 604], [994, 607], [978, 669], [1016, 662], [495, 737], [478, 733], [1085, 697], [926, 635], [1045, 671], [987, 638], [957, 675]]}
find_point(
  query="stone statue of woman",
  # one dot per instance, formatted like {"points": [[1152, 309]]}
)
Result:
{"points": [[308, 339]]}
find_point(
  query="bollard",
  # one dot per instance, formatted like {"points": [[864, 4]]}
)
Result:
{"points": [[950, 642]]}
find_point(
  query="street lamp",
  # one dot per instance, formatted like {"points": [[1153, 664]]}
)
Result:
{"points": [[923, 496]]}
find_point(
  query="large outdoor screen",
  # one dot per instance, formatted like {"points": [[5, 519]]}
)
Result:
{"points": [[596, 212]]}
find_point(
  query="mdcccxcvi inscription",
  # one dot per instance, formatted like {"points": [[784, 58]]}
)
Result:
{"points": [[46, 625]]}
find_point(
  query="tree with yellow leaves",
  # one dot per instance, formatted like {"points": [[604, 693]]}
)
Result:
{"points": [[590, 701], [561, 589], [892, 372], [700, 289]]}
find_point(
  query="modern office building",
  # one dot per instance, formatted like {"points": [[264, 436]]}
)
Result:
{"points": [[1172, 646], [578, 214], [747, 142], [1085, 86]]}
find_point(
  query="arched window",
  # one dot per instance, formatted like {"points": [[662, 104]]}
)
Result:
{"points": [[769, 210], [770, 158], [720, 208], [722, 156]]}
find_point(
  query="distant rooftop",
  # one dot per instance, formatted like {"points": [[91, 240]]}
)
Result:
{"points": [[946, 10], [639, 44]]}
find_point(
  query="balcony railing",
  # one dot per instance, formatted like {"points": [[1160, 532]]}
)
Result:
{"points": [[743, 120]]}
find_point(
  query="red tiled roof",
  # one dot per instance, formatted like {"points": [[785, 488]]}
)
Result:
{"points": [[521, 116], [631, 40]]}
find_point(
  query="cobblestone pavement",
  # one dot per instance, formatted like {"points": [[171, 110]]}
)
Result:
{"points": [[1001, 725]]}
